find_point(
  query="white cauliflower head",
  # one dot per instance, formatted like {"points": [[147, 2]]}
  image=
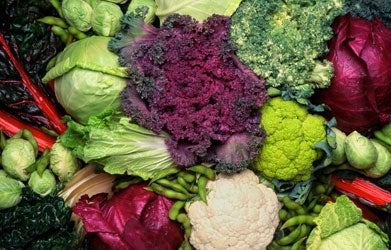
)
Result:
{"points": [[240, 214]]}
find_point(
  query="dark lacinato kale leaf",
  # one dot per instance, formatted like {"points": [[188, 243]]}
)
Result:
{"points": [[33, 45], [37, 223]]}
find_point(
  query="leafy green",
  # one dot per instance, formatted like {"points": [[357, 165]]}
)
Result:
{"points": [[198, 9], [340, 226], [111, 140], [284, 41], [37, 223]]}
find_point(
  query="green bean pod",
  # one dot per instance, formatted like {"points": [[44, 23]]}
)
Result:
{"points": [[61, 33], [52, 20], [169, 193], [174, 210], [185, 221], [192, 188], [187, 176], [175, 186], [202, 181], [291, 237], [77, 33], [299, 219], [201, 169], [165, 172]]}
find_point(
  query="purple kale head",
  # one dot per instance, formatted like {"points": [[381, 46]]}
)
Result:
{"points": [[186, 81]]}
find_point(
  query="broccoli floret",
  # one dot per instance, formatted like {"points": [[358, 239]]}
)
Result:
{"points": [[289, 150], [369, 9], [284, 41]]}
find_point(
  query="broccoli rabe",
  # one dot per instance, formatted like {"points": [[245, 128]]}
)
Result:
{"points": [[289, 150], [369, 9], [284, 41]]}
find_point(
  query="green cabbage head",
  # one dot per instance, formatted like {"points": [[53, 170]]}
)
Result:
{"points": [[87, 78]]}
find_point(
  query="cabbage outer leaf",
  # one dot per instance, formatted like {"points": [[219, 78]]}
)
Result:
{"points": [[198, 9]]}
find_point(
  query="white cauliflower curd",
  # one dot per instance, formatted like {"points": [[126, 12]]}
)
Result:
{"points": [[240, 214]]}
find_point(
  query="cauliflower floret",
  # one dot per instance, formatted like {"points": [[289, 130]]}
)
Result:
{"points": [[289, 149], [239, 214]]}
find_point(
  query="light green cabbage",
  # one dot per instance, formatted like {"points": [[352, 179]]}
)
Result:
{"points": [[105, 18], [198, 9], [10, 192], [88, 78], [340, 226]]}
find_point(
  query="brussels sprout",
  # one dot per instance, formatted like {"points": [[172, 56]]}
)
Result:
{"points": [[360, 151], [105, 18], [10, 192], [135, 7], [78, 13], [88, 78], [18, 154], [338, 155], [383, 162], [3, 173], [42, 184], [63, 162]]}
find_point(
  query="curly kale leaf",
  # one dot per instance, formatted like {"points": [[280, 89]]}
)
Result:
{"points": [[37, 223], [284, 41], [187, 81]]}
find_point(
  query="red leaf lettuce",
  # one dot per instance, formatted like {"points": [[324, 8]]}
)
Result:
{"points": [[132, 219]]}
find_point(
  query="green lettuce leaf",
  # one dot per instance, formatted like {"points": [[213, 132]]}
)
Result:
{"points": [[120, 146], [198, 9]]}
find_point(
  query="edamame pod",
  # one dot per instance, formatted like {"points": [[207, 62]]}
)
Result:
{"points": [[201, 169], [202, 181], [174, 210], [297, 220], [169, 193], [291, 237]]}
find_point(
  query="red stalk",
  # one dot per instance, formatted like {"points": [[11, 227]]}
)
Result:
{"points": [[43, 102], [10, 126], [363, 189]]}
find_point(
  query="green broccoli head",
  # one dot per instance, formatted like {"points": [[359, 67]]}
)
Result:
{"points": [[284, 41], [289, 149]]}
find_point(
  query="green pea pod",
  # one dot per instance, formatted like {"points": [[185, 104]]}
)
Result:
{"points": [[77, 33], [61, 33], [187, 176], [185, 221], [191, 187], [169, 193], [291, 237], [204, 170], [165, 172], [175, 186], [299, 219], [202, 181], [52, 20], [174, 210]]}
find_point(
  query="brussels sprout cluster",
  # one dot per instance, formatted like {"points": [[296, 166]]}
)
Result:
{"points": [[23, 166], [368, 156]]}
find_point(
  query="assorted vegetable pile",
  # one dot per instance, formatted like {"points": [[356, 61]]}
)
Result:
{"points": [[151, 124]]}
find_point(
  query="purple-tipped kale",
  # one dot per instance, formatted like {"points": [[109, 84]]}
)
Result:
{"points": [[187, 81]]}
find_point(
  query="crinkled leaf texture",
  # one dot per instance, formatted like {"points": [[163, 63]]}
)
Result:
{"points": [[133, 219], [340, 226], [186, 80]]}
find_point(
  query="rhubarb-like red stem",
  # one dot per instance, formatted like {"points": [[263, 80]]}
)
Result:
{"points": [[10, 126], [364, 189], [42, 101]]}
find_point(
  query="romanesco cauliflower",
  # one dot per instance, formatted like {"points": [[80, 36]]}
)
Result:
{"points": [[289, 150]]}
